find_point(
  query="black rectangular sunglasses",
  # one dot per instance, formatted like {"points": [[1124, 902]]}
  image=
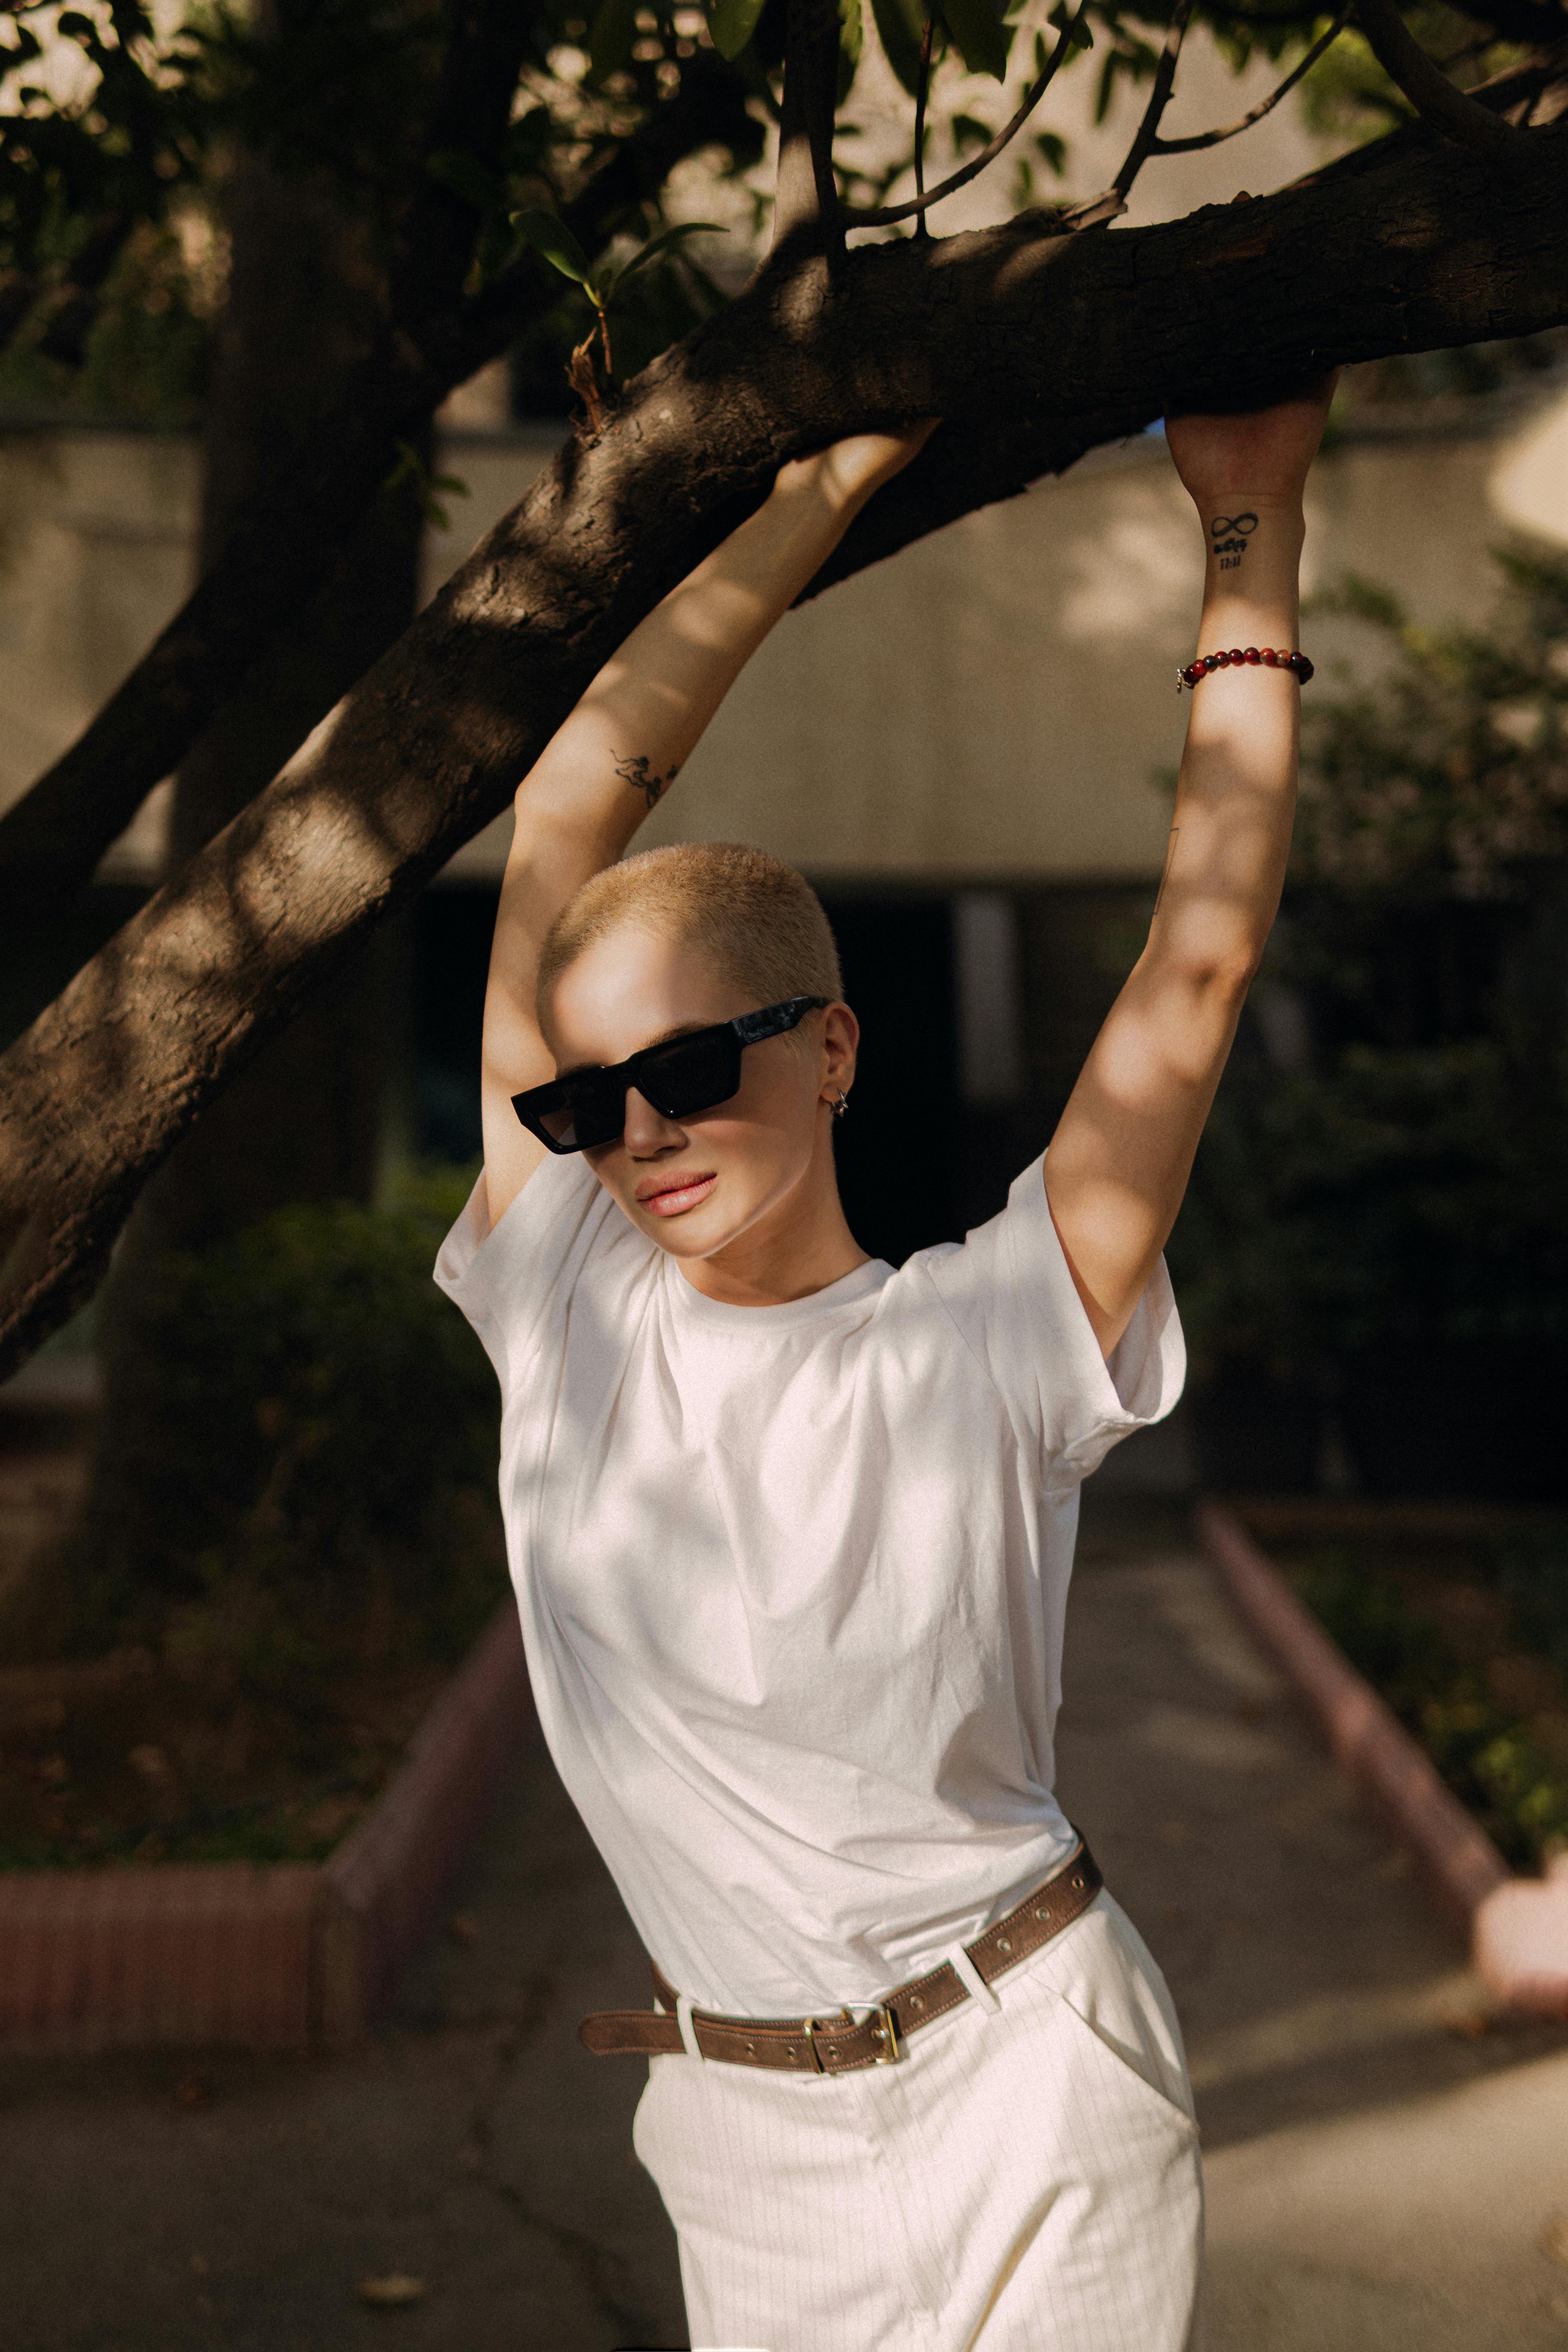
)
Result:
{"points": [[680, 1077]]}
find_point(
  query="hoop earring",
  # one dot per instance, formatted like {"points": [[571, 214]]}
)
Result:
{"points": [[842, 1105]]}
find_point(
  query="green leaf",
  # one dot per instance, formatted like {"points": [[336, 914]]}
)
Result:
{"points": [[549, 236], [851, 43], [979, 36], [1061, 16], [1052, 150], [656, 245], [732, 24], [450, 167], [900, 28], [610, 36]]}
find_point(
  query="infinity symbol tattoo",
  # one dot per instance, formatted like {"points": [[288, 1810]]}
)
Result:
{"points": [[1245, 523]]}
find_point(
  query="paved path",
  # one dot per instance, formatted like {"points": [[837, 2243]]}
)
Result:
{"points": [[1382, 2177]]}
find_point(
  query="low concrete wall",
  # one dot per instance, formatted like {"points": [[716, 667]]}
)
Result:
{"points": [[289, 1956]]}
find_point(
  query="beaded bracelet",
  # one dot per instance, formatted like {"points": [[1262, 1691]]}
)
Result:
{"points": [[1253, 654]]}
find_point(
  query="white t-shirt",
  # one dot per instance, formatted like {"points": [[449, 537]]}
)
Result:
{"points": [[792, 1579]]}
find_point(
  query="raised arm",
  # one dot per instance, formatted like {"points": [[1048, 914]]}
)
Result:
{"points": [[627, 740], [1120, 1159]]}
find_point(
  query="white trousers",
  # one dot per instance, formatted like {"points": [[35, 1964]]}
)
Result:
{"points": [[1025, 2179]]}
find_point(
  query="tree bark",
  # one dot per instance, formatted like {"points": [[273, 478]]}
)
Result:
{"points": [[1035, 345]]}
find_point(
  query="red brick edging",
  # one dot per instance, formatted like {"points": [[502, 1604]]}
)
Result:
{"points": [[284, 1956], [1519, 1927]]}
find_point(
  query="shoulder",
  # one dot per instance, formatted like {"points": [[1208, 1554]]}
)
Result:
{"points": [[561, 1229]]}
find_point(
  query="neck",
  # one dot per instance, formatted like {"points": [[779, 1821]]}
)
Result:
{"points": [[798, 1247]]}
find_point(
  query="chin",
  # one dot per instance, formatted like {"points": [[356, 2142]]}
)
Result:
{"points": [[696, 1236]]}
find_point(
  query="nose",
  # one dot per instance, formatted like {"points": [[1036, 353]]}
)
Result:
{"points": [[647, 1131]]}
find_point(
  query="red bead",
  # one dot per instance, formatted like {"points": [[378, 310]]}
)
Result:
{"points": [[1253, 656], [1236, 654], [1305, 670], [1220, 661], [1269, 656]]}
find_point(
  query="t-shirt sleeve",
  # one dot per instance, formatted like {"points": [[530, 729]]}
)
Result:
{"points": [[514, 1281], [1010, 1294]]}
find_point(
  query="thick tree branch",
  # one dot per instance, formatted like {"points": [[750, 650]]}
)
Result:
{"points": [[1033, 343], [288, 535], [1430, 92]]}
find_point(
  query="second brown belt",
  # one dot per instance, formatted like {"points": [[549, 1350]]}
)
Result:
{"points": [[839, 2042]]}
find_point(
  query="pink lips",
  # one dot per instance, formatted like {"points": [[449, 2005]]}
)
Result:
{"points": [[678, 1198]]}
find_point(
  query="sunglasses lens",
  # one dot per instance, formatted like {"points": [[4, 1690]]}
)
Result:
{"points": [[692, 1074], [586, 1115]]}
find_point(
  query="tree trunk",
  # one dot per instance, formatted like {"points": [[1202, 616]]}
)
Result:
{"points": [[1033, 344], [302, 1121], [303, 311]]}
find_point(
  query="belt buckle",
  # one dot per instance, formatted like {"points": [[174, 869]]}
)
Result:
{"points": [[814, 2054], [887, 2033]]}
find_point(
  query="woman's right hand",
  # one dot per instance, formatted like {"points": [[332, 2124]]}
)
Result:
{"points": [[847, 472]]}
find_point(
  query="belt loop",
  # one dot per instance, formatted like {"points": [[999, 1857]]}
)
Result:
{"points": [[969, 1976], [689, 2041]]}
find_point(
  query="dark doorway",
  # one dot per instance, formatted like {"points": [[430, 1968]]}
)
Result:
{"points": [[452, 956], [897, 1163]]}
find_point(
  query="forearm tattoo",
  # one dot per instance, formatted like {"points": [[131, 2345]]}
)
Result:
{"points": [[1228, 535], [637, 773]]}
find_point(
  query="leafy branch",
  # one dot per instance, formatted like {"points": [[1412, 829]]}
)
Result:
{"points": [[550, 237]]}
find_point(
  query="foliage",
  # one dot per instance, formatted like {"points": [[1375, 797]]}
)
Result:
{"points": [[314, 1438], [1347, 95], [114, 120], [1486, 1751], [1398, 1167], [549, 236]]}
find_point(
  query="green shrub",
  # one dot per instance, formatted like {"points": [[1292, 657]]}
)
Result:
{"points": [[1484, 1751], [1391, 1161], [311, 1454]]}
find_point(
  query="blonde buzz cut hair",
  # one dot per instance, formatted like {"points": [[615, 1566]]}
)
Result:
{"points": [[760, 923]]}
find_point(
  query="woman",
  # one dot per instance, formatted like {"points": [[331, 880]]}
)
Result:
{"points": [[792, 1532]]}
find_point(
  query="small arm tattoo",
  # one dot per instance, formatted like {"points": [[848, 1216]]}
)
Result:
{"points": [[637, 773], [1228, 535]]}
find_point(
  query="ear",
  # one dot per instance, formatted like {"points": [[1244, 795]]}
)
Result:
{"points": [[840, 1046]]}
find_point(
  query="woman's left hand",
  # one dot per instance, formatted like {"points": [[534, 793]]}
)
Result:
{"points": [[1263, 454]]}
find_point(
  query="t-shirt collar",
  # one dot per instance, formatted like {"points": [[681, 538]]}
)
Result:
{"points": [[719, 1314]]}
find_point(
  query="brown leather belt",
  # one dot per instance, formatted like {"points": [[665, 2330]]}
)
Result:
{"points": [[838, 2044]]}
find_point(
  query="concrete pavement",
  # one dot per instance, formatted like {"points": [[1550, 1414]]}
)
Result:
{"points": [[1387, 2167]]}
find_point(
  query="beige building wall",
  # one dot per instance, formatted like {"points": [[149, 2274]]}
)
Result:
{"points": [[995, 702]]}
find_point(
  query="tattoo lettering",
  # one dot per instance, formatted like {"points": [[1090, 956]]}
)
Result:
{"points": [[1230, 535], [1170, 861], [636, 772]]}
